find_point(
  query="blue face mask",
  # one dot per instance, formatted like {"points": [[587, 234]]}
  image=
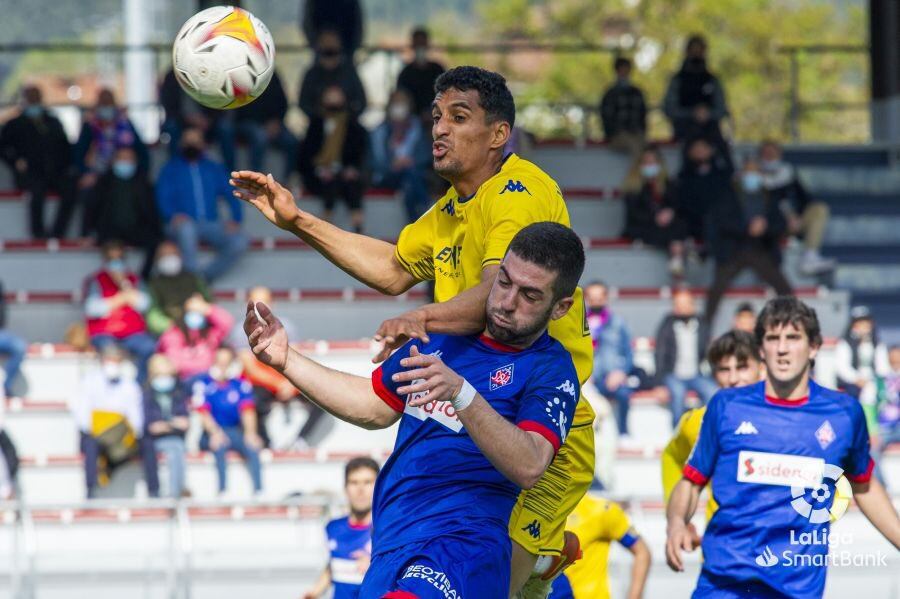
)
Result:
{"points": [[33, 111], [194, 320], [163, 384], [116, 265], [650, 171], [106, 113], [751, 181], [124, 169]]}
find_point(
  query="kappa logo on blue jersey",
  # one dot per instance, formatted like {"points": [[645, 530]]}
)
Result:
{"points": [[514, 186], [533, 528], [501, 377]]}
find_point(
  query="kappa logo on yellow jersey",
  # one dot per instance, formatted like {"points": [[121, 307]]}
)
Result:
{"points": [[514, 187]]}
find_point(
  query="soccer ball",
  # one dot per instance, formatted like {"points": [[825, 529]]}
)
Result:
{"points": [[223, 57]]}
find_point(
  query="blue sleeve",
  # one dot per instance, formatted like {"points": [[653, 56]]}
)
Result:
{"points": [[702, 461], [382, 384], [165, 193], [629, 539], [858, 463], [548, 403], [627, 354]]}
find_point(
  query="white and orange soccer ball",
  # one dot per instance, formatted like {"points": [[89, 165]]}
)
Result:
{"points": [[223, 57]]}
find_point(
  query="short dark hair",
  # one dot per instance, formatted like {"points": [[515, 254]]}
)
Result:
{"points": [[784, 310], [745, 307], [621, 61], [420, 32], [695, 40], [493, 94], [740, 344], [597, 283], [555, 247], [359, 463]]}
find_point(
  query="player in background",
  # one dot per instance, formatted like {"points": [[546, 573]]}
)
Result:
{"points": [[735, 361], [459, 244], [758, 442], [481, 417], [598, 522], [350, 537]]}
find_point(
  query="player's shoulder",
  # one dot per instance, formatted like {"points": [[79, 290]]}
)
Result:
{"points": [[553, 356], [837, 400], [337, 525]]}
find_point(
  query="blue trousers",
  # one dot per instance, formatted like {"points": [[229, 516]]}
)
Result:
{"points": [[14, 347], [228, 246]]}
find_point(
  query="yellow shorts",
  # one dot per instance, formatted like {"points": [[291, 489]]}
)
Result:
{"points": [[538, 521]]}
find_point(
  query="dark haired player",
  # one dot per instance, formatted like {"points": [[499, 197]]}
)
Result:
{"points": [[481, 417], [459, 244], [775, 451]]}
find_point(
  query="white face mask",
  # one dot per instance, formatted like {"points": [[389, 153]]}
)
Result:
{"points": [[169, 265], [112, 370]]}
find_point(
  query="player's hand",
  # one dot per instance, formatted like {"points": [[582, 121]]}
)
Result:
{"points": [[615, 379], [363, 560], [394, 332], [758, 226], [678, 539], [268, 196], [253, 441], [695, 536], [438, 382], [217, 440], [267, 337]]}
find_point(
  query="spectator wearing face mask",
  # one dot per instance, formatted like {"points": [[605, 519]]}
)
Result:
{"points": [[705, 177], [114, 306], [332, 154], [36, 148], [229, 418], [624, 112], [860, 358], [124, 207], [342, 17], [331, 68], [806, 216], [188, 191], [166, 418], [745, 229], [401, 155], [169, 287], [419, 75], [191, 342], [695, 99], [108, 410], [105, 129], [651, 208]]}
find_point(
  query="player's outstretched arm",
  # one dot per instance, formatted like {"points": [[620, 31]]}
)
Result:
{"points": [[640, 569], [368, 260], [874, 502], [521, 456], [343, 395], [321, 586], [679, 511]]}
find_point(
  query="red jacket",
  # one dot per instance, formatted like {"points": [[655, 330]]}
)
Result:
{"points": [[122, 322]]}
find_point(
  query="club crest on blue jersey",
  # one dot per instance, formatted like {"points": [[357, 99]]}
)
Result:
{"points": [[825, 435], [501, 377]]}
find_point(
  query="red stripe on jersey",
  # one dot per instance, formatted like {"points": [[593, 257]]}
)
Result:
{"points": [[787, 403], [694, 475], [494, 344], [387, 396], [536, 427], [865, 476], [400, 595]]}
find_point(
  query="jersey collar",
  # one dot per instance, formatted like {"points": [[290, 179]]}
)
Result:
{"points": [[462, 200], [508, 349], [793, 403]]}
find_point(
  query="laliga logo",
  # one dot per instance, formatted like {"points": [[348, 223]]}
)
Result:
{"points": [[821, 494]]}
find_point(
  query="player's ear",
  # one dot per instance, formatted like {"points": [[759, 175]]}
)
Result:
{"points": [[561, 307], [502, 132]]}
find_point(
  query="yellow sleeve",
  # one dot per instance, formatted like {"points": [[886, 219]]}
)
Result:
{"points": [[675, 456], [513, 204], [617, 523], [415, 248]]}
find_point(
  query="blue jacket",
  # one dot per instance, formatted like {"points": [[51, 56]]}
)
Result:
{"points": [[613, 351], [194, 188]]}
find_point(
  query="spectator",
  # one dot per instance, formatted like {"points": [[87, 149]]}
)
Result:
{"points": [[401, 155], [105, 129], [260, 124], [350, 537], [170, 286], [13, 347], [681, 342], [187, 193], [331, 68], [806, 217], [181, 112], [651, 202], [624, 112], [229, 417], [744, 318], [191, 342], [9, 458], [108, 410], [705, 176], [615, 375], [343, 17], [860, 359], [331, 157], [745, 231], [883, 414], [695, 99], [37, 150], [419, 75], [125, 209], [166, 415], [115, 305]]}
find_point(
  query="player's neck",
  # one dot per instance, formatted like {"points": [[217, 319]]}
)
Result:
{"points": [[793, 390], [360, 518], [518, 344], [468, 183]]}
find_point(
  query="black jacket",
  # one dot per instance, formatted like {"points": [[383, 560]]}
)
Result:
{"points": [[343, 16], [699, 192], [41, 142], [112, 217], [419, 82], [271, 105], [164, 407], [667, 348], [317, 79], [728, 221], [641, 208], [354, 153]]}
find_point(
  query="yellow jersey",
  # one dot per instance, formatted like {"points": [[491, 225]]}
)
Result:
{"points": [[453, 242], [597, 522], [677, 452]]}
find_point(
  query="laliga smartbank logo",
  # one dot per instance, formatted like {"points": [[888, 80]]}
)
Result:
{"points": [[815, 509]]}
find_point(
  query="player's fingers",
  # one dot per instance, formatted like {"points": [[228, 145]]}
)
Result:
{"points": [[249, 176], [672, 557], [265, 313], [687, 542], [416, 388], [274, 185], [414, 351], [383, 354], [410, 375]]}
